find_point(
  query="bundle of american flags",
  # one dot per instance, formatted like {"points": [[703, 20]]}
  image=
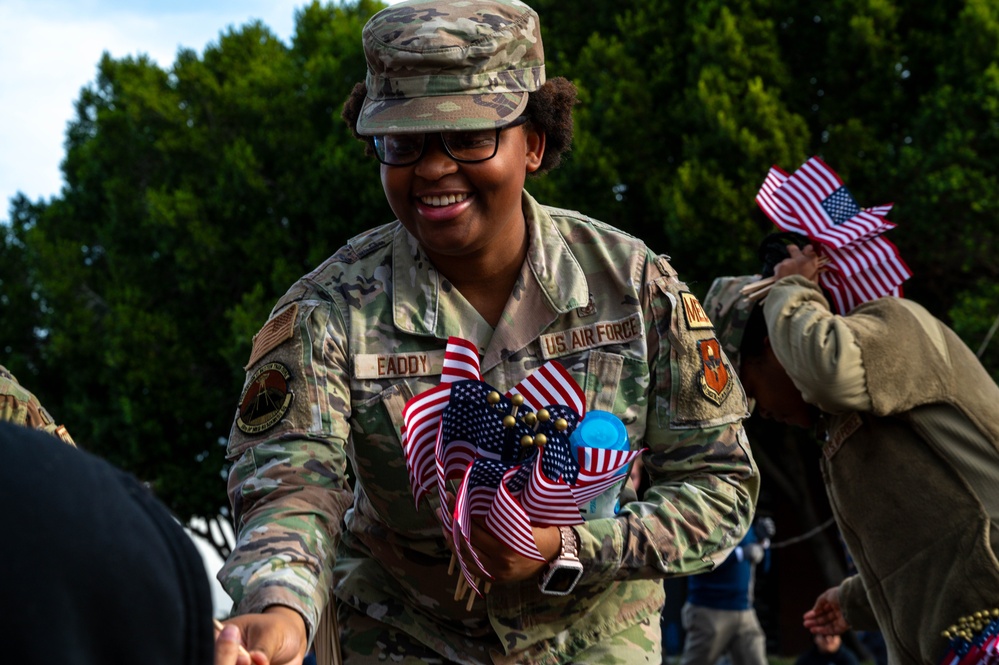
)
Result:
{"points": [[510, 451], [859, 264], [974, 640]]}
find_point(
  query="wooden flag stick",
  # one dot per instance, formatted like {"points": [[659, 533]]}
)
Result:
{"points": [[471, 593], [756, 286], [459, 590], [471, 598], [450, 566]]}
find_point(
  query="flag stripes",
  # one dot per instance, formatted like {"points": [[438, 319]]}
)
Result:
{"points": [[455, 431], [549, 501], [421, 414], [813, 201], [551, 384]]}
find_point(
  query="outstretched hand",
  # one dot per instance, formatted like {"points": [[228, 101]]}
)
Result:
{"points": [[804, 262], [826, 616], [229, 648], [275, 637]]}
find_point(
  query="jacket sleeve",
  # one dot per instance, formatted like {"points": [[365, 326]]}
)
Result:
{"points": [[855, 606], [818, 349], [287, 484], [704, 482]]}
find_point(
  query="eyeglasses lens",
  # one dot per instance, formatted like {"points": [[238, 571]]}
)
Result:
{"points": [[403, 149]]}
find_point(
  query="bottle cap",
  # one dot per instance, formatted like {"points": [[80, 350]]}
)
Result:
{"points": [[600, 429]]}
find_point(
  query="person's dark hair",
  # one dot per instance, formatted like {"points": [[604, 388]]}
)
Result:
{"points": [[753, 335], [773, 249], [549, 110]]}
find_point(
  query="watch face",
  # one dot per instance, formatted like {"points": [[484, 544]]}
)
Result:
{"points": [[562, 578]]}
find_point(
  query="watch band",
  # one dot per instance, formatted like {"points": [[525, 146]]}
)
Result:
{"points": [[570, 543]]}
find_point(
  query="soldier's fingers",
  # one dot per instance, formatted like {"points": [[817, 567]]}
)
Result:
{"points": [[228, 649]]}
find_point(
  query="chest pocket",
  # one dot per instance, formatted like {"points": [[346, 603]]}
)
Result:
{"points": [[384, 492], [603, 376]]}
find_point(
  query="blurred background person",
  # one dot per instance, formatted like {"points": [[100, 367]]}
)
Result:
{"points": [[719, 617], [97, 570]]}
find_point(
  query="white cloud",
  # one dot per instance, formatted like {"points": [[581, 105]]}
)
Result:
{"points": [[51, 50]]}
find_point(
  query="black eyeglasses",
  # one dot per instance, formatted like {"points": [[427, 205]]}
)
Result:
{"points": [[468, 146]]}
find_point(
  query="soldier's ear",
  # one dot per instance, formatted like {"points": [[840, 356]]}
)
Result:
{"points": [[535, 148]]}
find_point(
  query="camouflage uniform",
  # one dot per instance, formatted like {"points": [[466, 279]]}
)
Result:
{"points": [[730, 311], [353, 340], [19, 406], [467, 65]]}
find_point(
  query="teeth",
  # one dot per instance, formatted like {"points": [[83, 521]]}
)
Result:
{"points": [[447, 200]]}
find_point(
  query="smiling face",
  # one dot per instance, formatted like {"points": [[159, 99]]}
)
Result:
{"points": [[777, 398], [458, 210]]}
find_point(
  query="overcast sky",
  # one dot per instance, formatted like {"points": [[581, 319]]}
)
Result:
{"points": [[50, 50]]}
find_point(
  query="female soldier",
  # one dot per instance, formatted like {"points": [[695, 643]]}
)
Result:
{"points": [[457, 110]]}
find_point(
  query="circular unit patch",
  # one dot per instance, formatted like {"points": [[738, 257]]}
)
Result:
{"points": [[265, 400]]}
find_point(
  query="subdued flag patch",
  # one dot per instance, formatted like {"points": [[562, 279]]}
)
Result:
{"points": [[277, 329]]}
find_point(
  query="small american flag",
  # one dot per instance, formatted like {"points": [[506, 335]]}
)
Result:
{"points": [[974, 640], [599, 468], [421, 415], [551, 384], [813, 201], [455, 431]]}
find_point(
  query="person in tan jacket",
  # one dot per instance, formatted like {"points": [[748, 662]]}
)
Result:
{"points": [[909, 426]]}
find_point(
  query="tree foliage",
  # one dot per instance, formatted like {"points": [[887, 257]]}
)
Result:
{"points": [[194, 195]]}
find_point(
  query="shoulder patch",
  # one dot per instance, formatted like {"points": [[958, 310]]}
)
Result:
{"points": [[277, 329], [703, 389], [693, 313], [715, 380], [265, 399]]}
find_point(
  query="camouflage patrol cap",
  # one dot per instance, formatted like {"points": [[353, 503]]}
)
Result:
{"points": [[729, 311], [444, 65]]}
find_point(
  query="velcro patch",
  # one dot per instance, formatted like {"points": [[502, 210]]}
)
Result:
{"points": [[574, 340], [277, 329], [841, 434], [693, 313], [704, 392], [715, 380], [265, 399], [398, 365]]}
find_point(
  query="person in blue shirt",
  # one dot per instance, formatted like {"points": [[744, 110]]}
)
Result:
{"points": [[718, 615]]}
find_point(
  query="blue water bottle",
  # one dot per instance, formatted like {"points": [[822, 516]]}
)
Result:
{"points": [[601, 429]]}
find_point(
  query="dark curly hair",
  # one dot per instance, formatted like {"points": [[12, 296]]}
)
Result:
{"points": [[549, 110]]}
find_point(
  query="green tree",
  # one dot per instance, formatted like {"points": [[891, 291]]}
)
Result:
{"points": [[194, 197], [686, 105], [196, 194]]}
